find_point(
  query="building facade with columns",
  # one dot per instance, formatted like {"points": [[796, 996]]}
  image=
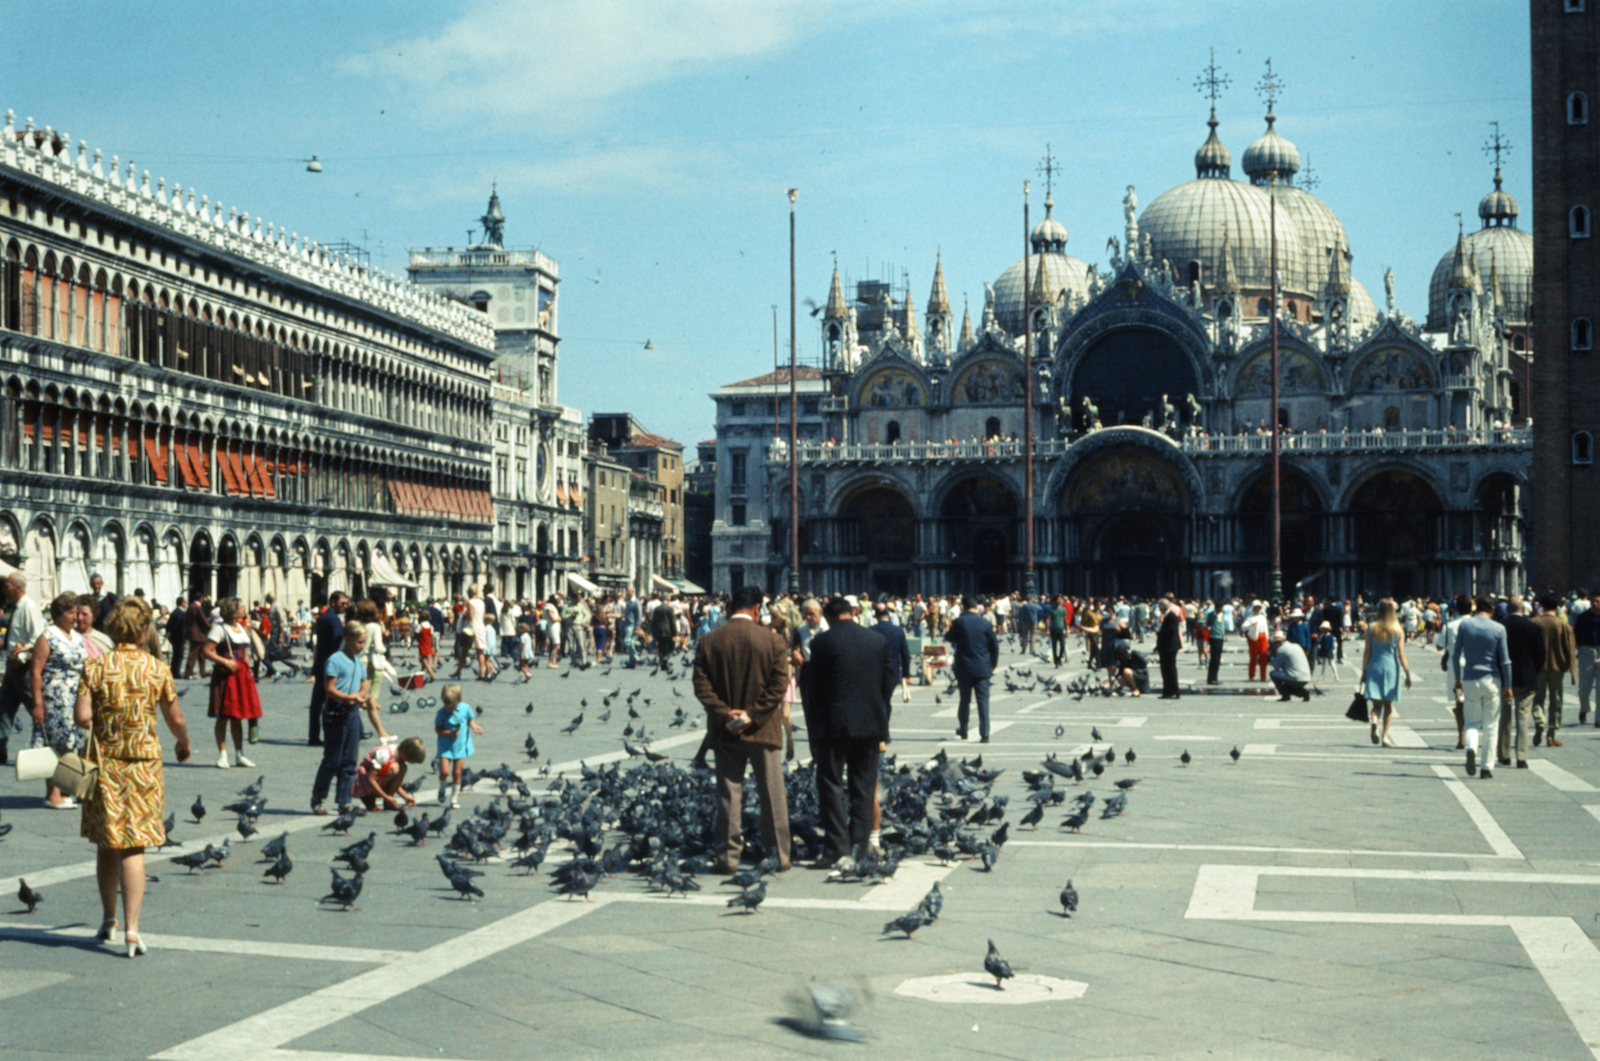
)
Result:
{"points": [[1403, 455], [538, 443], [196, 400]]}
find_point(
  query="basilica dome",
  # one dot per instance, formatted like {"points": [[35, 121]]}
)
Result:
{"points": [[1062, 272], [1499, 247], [1186, 224]]}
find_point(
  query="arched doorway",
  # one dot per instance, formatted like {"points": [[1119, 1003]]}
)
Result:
{"points": [[1125, 508], [1125, 373], [1395, 516], [1301, 510], [1498, 534], [979, 519], [228, 568], [202, 573], [877, 524]]}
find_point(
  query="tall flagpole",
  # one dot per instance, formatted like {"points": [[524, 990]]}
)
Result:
{"points": [[1029, 576], [794, 423]]}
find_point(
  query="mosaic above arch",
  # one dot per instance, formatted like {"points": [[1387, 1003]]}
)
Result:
{"points": [[1392, 370], [1297, 374], [1127, 480], [891, 387], [988, 382]]}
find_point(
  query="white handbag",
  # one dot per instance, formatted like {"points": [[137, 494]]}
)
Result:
{"points": [[36, 764]]}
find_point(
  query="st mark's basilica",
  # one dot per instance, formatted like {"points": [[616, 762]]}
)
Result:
{"points": [[1405, 445]]}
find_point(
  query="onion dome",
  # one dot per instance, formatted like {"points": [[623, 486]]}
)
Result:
{"points": [[1271, 153], [1049, 265], [1212, 160], [1499, 207], [1049, 234], [1185, 226]]}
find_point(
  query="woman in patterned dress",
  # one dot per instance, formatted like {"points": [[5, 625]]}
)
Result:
{"points": [[234, 699], [118, 697], [57, 666]]}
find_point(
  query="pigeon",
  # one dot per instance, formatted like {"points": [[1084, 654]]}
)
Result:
{"points": [[1034, 817], [577, 882], [275, 847], [908, 922], [417, 830], [281, 868], [193, 860], [344, 890], [29, 897], [1129, 757], [1185, 758], [932, 903], [529, 860], [997, 967], [750, 901], [1069, 900], [401, 819], [359, 849], [464, 887], [1127, 783], [1234, 755], [166, 829], [198, 809], [1061, 731], [1115, 805], [341, 825], [247, 828], [252, 790], [437, 827], [218, 854], [1094, 734], [572, 727], [1076, 820]]}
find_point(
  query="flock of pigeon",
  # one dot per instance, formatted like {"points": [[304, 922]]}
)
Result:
{"points": [[655, 820]]}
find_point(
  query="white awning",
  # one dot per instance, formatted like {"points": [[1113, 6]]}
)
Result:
{"points": [[582, 583], [685, 586], [384, 573], [663, 584]]}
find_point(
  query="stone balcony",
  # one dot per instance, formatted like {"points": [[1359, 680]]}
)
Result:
{"points": [[1006, 450]]}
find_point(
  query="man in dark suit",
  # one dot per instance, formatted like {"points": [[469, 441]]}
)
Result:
{"points": [[329, 639], [848, 682], [741, 671], [1169, 642], [899, 650], [178, 632], [976, 650], [1525, 644]]}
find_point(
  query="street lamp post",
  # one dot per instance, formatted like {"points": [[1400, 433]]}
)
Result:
{"points": [[794, 423]]}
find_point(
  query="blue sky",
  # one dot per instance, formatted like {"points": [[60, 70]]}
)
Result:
{"points": [[648, 146]]}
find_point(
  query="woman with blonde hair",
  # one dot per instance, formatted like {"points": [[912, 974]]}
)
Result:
{"points": [[118, 698], [1381, 665]]}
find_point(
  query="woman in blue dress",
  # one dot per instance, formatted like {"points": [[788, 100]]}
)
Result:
{"points": [[1381, 668]]}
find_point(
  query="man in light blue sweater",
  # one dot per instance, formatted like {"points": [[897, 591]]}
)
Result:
{"points": [[1483, 672]]}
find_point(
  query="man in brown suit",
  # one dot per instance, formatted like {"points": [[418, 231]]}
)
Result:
{"points": [[1560, 662], [741, 671]]}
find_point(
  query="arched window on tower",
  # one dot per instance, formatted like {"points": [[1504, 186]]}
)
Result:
{"points": [[991, 427], [1575, 7], [1194, 272], [891, 431], [1264, 307], [1582, 334], [1577, 109], [1582, 448], [1518, 342], [1578, 222]]}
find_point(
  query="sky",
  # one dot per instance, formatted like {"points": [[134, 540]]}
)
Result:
{"points": [[648, 146]]}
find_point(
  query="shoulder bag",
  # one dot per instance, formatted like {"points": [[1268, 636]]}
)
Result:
{"points": [[77, 774]]}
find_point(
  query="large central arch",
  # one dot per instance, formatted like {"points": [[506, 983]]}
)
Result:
{"points": [[1124, 508], [979, 517], [878, 525]]}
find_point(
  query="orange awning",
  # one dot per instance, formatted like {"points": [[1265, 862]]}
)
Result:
{"points": [[230, 475], [158, 463], [186, 468]]}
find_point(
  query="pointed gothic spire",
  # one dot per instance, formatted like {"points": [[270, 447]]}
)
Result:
{"points": [[1338, 273], [967, 337], [1043, 290], [1228, 282], [908, 327], [1461, 273], [837, 308], [939, 298]]}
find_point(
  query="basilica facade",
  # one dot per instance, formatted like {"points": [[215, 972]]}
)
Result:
{"points": [[1405, 448]]}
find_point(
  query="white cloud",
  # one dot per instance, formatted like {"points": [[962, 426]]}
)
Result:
{"points": [[559, 60]]}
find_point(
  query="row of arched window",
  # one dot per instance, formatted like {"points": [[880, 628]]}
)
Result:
{"points": [[69, 302]]}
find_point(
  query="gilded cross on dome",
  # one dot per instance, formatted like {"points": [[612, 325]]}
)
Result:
{"points": [[1048, 168], [1496, 146], [1270, 88], [1212, 81]]}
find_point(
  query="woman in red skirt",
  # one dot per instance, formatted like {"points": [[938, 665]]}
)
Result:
{"points": [[234, 699]]}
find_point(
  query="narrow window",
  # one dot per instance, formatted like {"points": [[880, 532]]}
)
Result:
{"points": [[1577, 109], [1582, 334], [1574, 7], [1578, 222], [1264, 307], [891, 431], [1582, 448], [991, 427]]}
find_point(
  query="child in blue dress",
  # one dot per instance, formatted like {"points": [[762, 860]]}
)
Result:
{"points": [[455, 723]]}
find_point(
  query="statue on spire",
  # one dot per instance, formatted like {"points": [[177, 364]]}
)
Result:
{"points": [[494, 222]]}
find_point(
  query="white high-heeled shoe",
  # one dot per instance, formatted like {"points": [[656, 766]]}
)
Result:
{"points": [[136, 945], [108, 928]]}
